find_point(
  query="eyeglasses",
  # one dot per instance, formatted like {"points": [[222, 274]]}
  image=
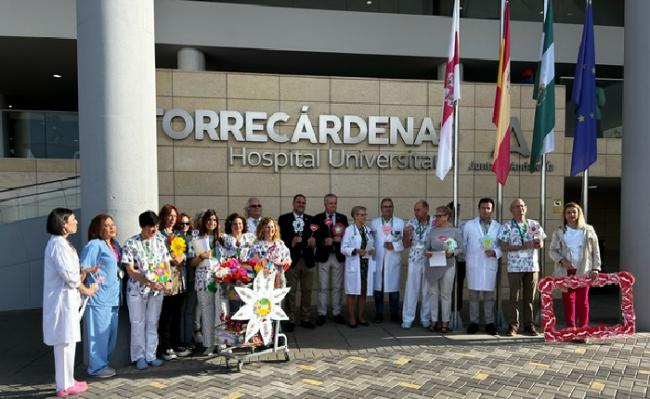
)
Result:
{"points": [[255, 206], [185, 223], [440, 216]]}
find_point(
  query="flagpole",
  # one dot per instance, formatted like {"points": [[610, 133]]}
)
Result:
{"points": [[585, 193], [499, 211], [542, 211]]}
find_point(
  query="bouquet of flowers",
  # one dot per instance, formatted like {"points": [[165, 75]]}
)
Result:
{"points": [[261, 265], [450, 245], [339, 230], [232, 271]]}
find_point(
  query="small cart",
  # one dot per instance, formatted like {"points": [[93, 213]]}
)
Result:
{"points": [[245, 352]]}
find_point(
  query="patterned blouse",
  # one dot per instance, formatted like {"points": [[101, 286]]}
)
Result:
{"points": [[141, 253], [206, 269], [240, 249]]}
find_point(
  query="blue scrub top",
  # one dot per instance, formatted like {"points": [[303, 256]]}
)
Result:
{"points": [[97, 252]]}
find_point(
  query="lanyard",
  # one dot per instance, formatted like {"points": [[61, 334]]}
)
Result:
{"points": [[519, 230], [421, 229], [484, 226]]}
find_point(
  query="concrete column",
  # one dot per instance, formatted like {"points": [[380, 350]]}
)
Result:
{"points": [[190, 59], [117, 111], [635, 190]]}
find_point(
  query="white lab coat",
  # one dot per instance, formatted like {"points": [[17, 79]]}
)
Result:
{"points": [[61, 299], [481, 269], [352, 241], [388, 264]]}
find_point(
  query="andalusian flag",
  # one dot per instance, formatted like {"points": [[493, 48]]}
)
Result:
{"points": [[501, 114], [544, 93], [451, 96]]}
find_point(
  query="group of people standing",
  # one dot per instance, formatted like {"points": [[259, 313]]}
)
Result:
{"points": [[359, 258]]}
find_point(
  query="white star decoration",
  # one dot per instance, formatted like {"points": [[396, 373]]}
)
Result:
{"points": [[261, 306]]}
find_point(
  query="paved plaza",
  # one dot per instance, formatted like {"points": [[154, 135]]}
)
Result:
{"points": [[334, 361]]}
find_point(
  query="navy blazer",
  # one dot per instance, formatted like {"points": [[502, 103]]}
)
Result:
{"points": [[323, 252], [302, 251]]}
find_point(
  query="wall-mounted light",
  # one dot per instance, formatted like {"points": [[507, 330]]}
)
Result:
{"points": [[369, 2], [57, 76]]}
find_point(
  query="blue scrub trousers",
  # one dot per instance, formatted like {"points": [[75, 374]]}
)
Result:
{"points": [[101, 330]]}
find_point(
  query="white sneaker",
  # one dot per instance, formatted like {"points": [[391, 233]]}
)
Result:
{"points": [[169, 355], [182, 352]]}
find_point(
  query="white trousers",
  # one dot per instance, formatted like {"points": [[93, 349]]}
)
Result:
{"points": [[324, 268], [144, 314], [214, 308], [64, 365], [416, 287], [489, 297], [440, 290]]}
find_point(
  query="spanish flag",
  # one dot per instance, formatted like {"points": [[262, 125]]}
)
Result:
{"points": [[501, 114]]}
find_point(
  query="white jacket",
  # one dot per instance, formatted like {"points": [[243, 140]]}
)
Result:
{"points": [[352, 241], [481, 269], [61, 299], [388, 264]]}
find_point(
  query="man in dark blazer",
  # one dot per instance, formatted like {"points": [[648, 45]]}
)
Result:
{"points": [[299, 238], [331, 226]]}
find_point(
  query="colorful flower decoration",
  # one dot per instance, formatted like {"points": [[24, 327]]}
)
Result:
{"points": [[450, 245], [488, 243], [298, 225], [534, 230], [158, 273], [233, 272], [178, 246], [339, 229], [261, 306], [546, 286], [313, 227], [386, 229]]}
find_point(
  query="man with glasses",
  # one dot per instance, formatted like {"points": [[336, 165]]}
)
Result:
{"points": [[254, 214], [522, 239], [388, 231], [415, 237]]}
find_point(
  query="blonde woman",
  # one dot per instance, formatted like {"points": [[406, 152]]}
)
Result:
{"points": [[575, 251]]}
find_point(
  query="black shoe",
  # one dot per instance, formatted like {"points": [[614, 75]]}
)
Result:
{"points": [[364, 323], [321, 320], [290, 326], [512, 331], [379, 318], [472, 328], [491, 329], [307, 324], [339, 319], [530, 330]]}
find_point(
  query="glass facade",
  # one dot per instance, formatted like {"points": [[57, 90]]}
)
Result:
{"points": [[32, 134], [609, 108]]}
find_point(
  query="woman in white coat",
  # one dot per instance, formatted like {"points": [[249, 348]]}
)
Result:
{"points": [[62, 283], [357, 246], [482, 255], [388, 231]]}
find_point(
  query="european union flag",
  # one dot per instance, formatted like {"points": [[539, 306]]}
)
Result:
{"points": [[584, 98]]}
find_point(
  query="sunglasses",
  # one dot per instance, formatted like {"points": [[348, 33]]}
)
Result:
{"points": [[255, 206], [185, 223]]}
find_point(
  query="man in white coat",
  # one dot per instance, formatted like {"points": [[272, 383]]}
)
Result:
{"points": [[482, 255], [388, 231], [416, 235]]}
